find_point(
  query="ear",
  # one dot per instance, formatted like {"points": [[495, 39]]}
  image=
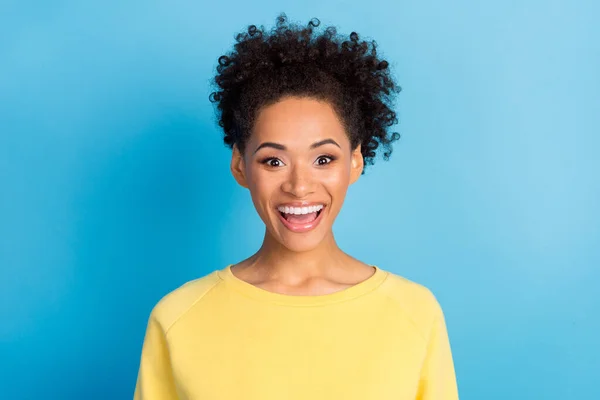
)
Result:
{"points": [[358, 164], [238, 168]]}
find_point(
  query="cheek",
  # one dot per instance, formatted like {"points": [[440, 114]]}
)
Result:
{"points": [[337, 185], [337, 180], [262, 189]]}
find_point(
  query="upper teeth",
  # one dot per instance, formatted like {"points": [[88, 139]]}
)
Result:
{"points": [[300, 210]]}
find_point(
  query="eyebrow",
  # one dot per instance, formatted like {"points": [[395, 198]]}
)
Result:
{"points": [[282, 147]]}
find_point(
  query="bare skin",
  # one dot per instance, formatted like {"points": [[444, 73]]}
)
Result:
{"points": [[294, 263]]}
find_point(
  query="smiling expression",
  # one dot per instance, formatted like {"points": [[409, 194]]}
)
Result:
{"points": [[298, 160]]}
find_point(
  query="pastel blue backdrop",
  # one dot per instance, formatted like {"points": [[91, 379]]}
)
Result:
{"points": [[115, 186]]}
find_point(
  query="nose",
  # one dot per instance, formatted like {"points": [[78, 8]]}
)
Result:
{"points": [[299, 183]]}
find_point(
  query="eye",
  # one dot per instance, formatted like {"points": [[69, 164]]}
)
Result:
{"points": [[324, 160], [272, 162]]}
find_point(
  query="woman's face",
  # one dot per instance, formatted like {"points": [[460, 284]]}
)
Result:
{"points": [[298, 164]]}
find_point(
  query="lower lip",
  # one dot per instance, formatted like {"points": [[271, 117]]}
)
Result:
{"points": [[299, 228]]}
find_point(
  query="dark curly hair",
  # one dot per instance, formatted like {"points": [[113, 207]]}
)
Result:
{"points": [[294, 61]]}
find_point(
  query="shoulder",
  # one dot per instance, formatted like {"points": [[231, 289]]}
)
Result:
{"points": [[414, 301], [171, 307]]}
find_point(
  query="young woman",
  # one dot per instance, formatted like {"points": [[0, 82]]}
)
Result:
{"points": [[300, 319]]}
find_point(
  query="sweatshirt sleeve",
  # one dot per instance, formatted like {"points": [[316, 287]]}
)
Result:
{"points": [[155, 377], [438, 380]]}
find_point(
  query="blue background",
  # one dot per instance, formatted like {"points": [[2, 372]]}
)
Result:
{"points": [[115, 186]]}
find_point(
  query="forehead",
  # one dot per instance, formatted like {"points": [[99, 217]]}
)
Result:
{"points": [[298, 120]]}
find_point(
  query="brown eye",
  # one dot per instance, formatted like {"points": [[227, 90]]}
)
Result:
{"points": [[272, 162], [324, 160]]}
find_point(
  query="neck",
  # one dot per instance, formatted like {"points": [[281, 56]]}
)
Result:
{"points": [[276, 261]]}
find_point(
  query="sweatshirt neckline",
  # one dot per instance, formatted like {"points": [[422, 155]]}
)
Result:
{"points": [[260, 294]]}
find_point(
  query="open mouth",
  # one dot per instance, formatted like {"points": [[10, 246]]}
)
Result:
{"points": [[300, 219]]}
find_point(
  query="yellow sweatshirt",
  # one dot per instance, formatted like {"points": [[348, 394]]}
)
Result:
{"points": [[221, 338]]}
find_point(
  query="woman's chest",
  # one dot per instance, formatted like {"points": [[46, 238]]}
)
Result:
{"points": [[363, 359]]}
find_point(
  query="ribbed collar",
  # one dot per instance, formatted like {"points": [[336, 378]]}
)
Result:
{"points": [[260, 294]]}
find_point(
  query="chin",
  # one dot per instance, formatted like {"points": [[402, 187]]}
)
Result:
{"points": [[299, 245], [294, 241]]}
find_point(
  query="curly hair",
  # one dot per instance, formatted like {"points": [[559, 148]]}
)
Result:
{"points": [[297, 61]]}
